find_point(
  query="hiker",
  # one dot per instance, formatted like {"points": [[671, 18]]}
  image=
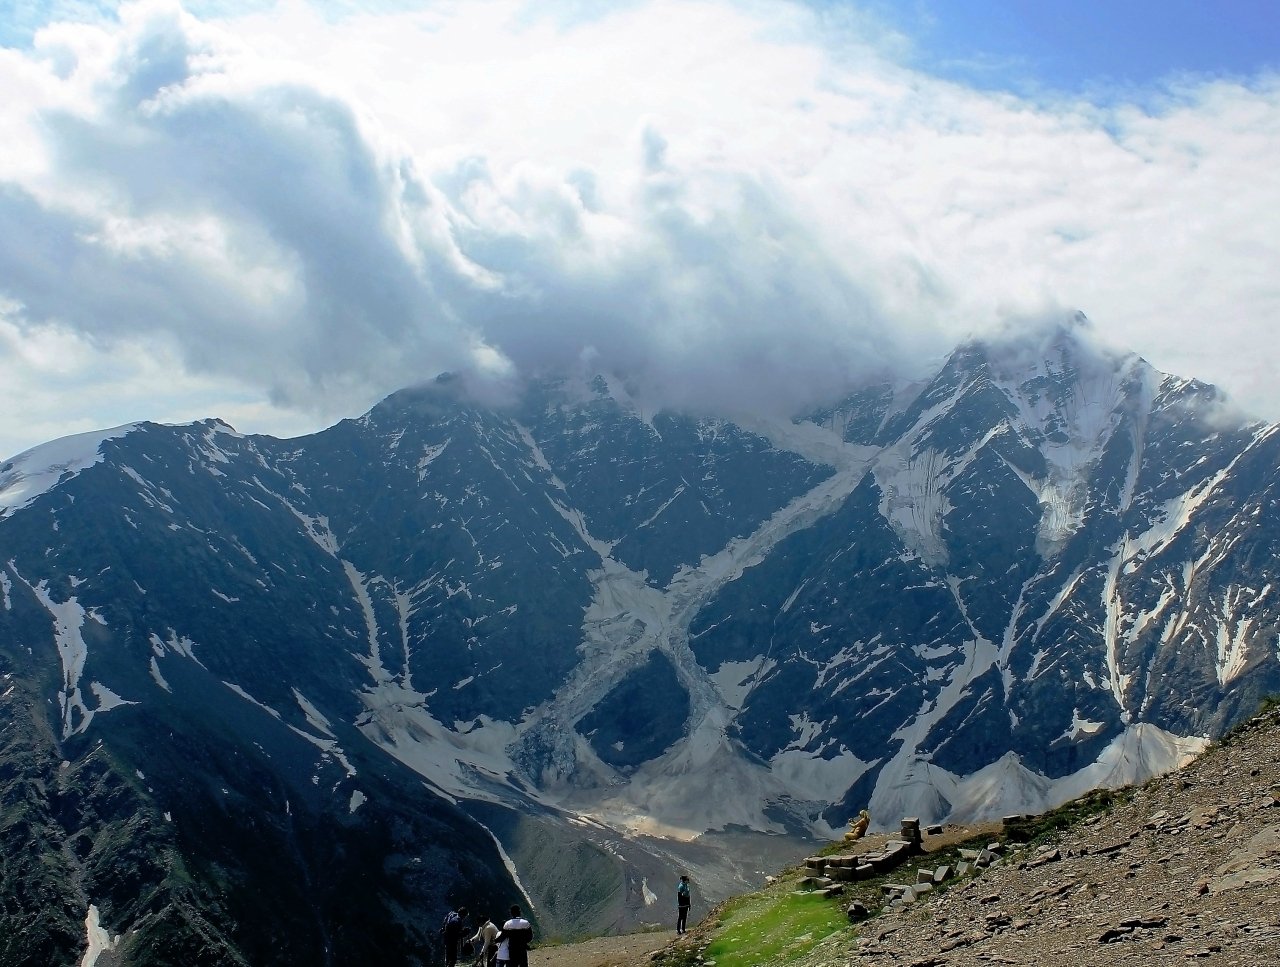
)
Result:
{"points": [[514, 940], [682, 904], [485, 942], [451, 930]]}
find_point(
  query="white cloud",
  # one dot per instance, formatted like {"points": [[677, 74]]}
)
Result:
{"points": [[714, 196]]}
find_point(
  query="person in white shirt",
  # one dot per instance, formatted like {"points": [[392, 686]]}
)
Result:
{"points": [[514, 940]]}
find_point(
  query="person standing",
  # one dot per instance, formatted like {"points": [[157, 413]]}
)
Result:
{"points": [[514, 940], [682, 904], [451, 930], [485, 941]]}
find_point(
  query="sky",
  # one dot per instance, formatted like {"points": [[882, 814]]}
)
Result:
{"points": [[278, 213]]}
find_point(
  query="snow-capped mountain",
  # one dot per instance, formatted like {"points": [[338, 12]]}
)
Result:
{"points": [[450, 651]]}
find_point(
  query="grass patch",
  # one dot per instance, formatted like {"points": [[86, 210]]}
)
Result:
{"points": [[774, 929]]}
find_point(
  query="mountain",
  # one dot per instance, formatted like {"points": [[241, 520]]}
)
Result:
{"points": [[288, 700]]}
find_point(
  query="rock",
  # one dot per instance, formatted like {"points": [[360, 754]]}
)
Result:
{"points": [[1047, 855], [1112, 934], [1144, 923]]}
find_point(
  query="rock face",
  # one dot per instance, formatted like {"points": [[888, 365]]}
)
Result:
{"points": [[374, 654]]}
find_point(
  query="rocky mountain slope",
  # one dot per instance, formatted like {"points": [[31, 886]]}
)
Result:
{"points": [[556, 649], [1182, 869], [1187, 869]]}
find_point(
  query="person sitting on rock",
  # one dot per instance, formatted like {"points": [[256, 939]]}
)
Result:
{"points": [[858, 827]]}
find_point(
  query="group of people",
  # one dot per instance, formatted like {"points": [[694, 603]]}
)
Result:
{"points": [[491, 945], [509, 945]]}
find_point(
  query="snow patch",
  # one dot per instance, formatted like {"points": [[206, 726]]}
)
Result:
{"points": [[68, 624], [314, 717], [251, 700], [97, 939], [38, 470], [429, 455], [1081, 728], [735, 679], [107, 699]]}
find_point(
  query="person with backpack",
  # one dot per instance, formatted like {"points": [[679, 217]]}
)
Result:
{"points": [[451, 930], [682, 904], [514, 940]]}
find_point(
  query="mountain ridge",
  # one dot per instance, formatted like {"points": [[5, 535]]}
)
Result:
{"points": [[1046, 568]]}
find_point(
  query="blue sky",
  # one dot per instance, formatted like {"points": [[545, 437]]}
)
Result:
{"points": [[1075, 45], [277, 213]]}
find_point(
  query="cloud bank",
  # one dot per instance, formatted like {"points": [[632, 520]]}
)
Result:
{"points": [[281, 217]]}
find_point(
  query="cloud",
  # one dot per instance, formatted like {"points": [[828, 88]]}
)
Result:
{"points": [[715, 198]]}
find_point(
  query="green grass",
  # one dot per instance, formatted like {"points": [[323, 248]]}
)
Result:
{"points": [[774, 928]]}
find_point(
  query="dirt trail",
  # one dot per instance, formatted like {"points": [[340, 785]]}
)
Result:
{"points": [[622, 951]]}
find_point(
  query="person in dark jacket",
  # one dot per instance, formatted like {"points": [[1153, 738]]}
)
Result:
{"points": [[455, 924], [682, 904]]}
